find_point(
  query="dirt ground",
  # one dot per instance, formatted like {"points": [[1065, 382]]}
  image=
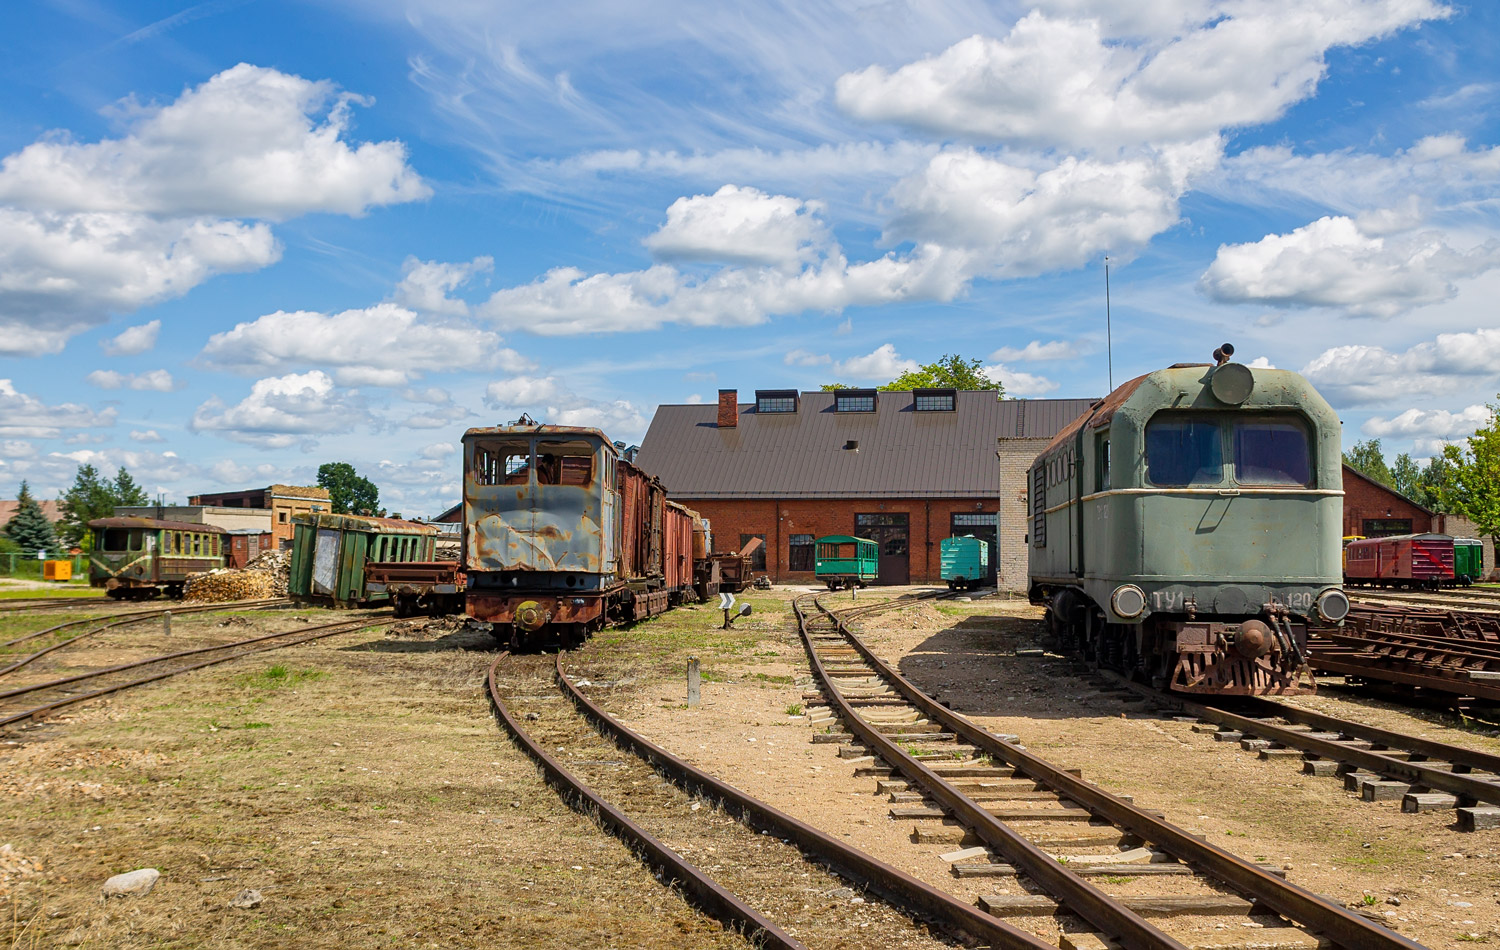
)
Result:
{"points": [[361, 785]]}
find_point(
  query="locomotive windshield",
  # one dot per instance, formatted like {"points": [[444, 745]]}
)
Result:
{"points": [[1182, 452], [502, 463], [122, 539], [568, 462], [1263, 451]]}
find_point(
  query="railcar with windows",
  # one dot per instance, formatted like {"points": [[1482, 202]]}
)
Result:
{"points": [[138, 558], [842, 561], [1407, 561], [1186, 529], [331, 555], [563, 535]]}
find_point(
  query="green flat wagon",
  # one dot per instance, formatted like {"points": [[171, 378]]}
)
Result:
{"points": [[1468, 560], [844, 561], [330, 554], [965, 562]]}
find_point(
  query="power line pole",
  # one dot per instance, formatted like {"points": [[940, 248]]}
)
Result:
{"points": [[1109, 342]]}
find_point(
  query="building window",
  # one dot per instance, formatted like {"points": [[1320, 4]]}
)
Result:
{"points": [[281, 516], [934, 400], [800, 553], [978, 519], [758, 556], [1386, 527], [854, 400], [775, 400]]}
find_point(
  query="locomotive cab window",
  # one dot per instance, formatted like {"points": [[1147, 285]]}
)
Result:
{"points": [[564, 463], [1184, 452], [1101, 463], [502, 463], [1272, 452]]}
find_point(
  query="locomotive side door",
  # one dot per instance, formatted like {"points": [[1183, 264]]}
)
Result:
{"points": [[608, 500]]}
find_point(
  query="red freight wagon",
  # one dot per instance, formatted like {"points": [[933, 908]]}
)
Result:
{"points": [[1408, 560], [677, 562]]}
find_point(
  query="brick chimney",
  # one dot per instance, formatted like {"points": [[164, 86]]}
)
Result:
{"points": [[729, 408]]}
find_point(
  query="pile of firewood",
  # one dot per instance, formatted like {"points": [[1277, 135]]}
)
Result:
{"points": [[262, 578]]}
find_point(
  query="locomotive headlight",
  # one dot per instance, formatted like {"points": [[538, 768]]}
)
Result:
{"points": [[1128, 601], [1333, 605]]}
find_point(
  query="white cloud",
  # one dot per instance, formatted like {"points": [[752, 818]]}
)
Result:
{"points": [[438, 450], [16, 449], [61, 273], [89, 229], [1017, 383], [1005, 220], [282, 411], [521, 392], [618, 419], [1362, 373], [27, 417], [884, 364], [149, 435], [1333, 263], [742, 226], [1056, 82], [156, 380], [1037, 352], [436, 417], [383, 345], [426, 286], [801, 357], [134, 341], [1430, 423], [250, 142], [231, 472], [1260, 362]]}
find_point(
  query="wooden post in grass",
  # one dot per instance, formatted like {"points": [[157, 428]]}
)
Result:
{"points": [[166, 623], [694, 679]]}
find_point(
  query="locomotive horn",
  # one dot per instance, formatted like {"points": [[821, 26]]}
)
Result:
{"points": [[1223, 353]]}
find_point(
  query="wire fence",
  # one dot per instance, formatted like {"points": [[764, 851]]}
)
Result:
{"points": [[28, 567]]}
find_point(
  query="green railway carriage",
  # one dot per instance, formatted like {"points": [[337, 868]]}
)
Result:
{"points": [[965, 561], [843, 561], [1468, 560], [1185, 529], [330, 552], [135, 558]]}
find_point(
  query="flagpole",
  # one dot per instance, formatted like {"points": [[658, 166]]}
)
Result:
{"points": [[1109, 343]]}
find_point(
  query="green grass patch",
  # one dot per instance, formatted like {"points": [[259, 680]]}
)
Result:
{"points": [[795, 709], [278, 676]]}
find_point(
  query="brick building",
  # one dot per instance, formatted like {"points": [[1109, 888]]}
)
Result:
{"points": [[282, 500], [1372, 510], [906, 469]]}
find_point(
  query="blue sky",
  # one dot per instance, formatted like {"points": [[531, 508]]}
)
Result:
{"points": [[240, 238]]}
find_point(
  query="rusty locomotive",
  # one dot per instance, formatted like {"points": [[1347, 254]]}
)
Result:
{"points": [[563, 536]]}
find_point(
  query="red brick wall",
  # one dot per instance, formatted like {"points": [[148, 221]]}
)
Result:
{"points": [[1364, 499], [779, 520]]}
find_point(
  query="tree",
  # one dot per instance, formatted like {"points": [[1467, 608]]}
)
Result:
{"points": [[1473, 488], [950, 372], [29, 528], [127, 493], [1433, 484], [349, 493], [90, 497], [1367, 459], [1406, 476]]}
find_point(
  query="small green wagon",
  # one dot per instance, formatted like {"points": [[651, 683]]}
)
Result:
{"points": [[844, 561], [1468, 560], [330, 552], [965, 562]]}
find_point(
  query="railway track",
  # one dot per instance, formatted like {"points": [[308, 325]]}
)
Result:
{"points": [[51, 603], [769, 868], [63, 691], [110, 622], [1461, 598], [959, 783]]}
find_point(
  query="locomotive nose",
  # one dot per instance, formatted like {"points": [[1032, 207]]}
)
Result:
{"points": [[531, 617]]}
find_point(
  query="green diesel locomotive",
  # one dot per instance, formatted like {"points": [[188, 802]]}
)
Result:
{"points": [[1185, 530]]}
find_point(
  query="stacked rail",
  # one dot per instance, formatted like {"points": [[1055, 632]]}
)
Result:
{"points": [[990, 787], [1444, 651]]}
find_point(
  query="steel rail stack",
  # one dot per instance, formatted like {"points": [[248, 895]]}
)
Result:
{"points": [[850, 661], [915, 897], [1450, 652], [255, 645]]}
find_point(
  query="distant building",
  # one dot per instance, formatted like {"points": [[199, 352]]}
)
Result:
{"points": [[1373, 510], [49, 509], [906, 469], [282, 500]]}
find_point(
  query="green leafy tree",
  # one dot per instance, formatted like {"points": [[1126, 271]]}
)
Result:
{"points": [[90, 497], [1473, 487], [950, 372], [1406, 476], [28, 528], [350, 493], [1368, 459], [1433, 484], [127, 492]]}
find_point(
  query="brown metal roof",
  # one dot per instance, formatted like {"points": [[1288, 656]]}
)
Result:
{"points": [[130, 522], [902, 453]]}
